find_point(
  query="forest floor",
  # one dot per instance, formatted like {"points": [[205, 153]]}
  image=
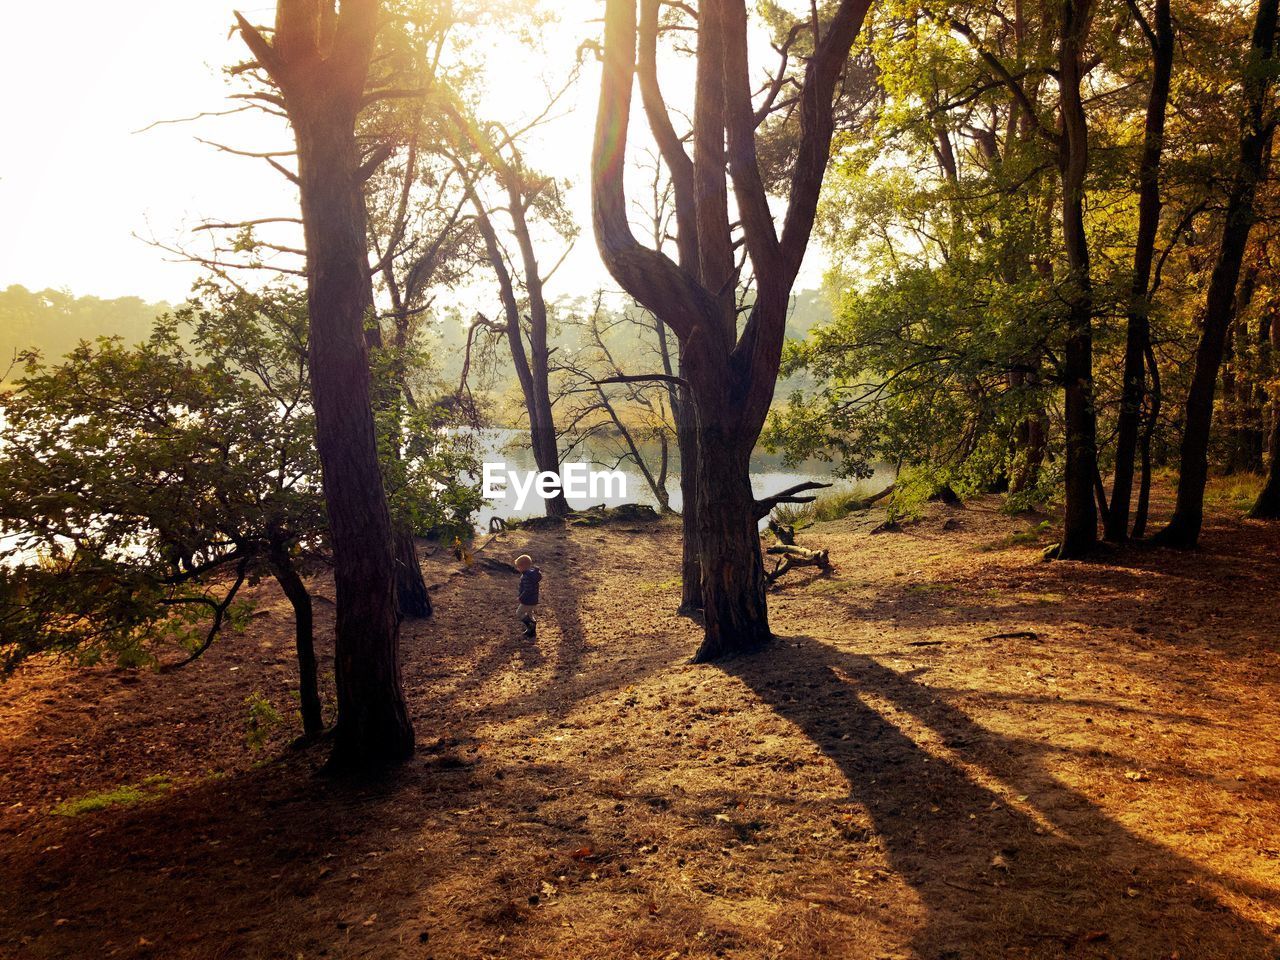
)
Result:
{"points": [[952, 750]]}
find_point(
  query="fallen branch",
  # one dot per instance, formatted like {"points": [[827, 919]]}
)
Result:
{"points": [[794, 556], [1014, 635], [872, 500], [789, 495], [783, 532]]}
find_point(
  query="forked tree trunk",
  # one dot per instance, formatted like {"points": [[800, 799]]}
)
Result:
{"points": [[1188, 515], [319, 59], [1138, 331], [732, 374]]}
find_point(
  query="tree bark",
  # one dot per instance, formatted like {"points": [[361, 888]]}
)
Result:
{"points": [[732, 376], [411, 590], [1138, 330], [319, 60], [1151, 421], [1188, 516], [1080, 524], [735, 613], [690, 566], [1267, 506]]}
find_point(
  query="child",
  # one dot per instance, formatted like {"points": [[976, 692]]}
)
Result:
{"points": [[530, 577]]}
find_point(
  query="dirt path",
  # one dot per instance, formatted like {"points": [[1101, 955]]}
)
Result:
{"points": [[891, 780]]}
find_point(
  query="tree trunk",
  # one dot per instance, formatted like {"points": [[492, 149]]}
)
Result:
{"points": [[1152, 420], [296, 592], [732, 374], [1138, 332], [411, 589], [1267, 506], [319, 58], [373, 730], [1188, 515], [735, 616], [690, 565], [1080, 524]]}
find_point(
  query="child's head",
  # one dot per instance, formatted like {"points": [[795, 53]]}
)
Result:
{"points": [[524, 562]]}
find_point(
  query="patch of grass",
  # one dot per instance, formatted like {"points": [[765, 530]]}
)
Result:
{"points": [[830, 505], [1027, 537], [125, 795], [658, 586], [1237, 490]]}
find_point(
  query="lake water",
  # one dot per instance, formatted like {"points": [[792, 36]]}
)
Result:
{"points": [[769, 475]]}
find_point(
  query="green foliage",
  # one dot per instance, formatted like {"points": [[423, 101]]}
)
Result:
{"points": [[260, 720], [142, 486], [125, 795], [918, 370]]}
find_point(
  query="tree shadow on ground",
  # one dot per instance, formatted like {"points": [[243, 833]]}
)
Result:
{"points": [[1006, 859]]}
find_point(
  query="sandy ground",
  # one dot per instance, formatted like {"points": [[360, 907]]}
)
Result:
{"points": [[952, 751]]}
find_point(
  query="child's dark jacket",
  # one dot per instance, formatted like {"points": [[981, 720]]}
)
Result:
{"points": [[529, 581]]}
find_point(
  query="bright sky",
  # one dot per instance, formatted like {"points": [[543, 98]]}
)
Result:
{"points": [[78, 180]]}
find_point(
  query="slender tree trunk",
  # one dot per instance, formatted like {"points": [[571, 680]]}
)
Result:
{"points": [[411, 590], [319, 58], [1152, 420], [1188, 515], [1138, 331], [1267, 506], [303, 627], [1080, 525]]}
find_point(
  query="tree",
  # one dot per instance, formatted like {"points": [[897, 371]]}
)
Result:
{"points": [[318, 59], [605, 404], [490, 151], [1257, 129], [142, 487], [1159, 33], [731, 375], [1080, 523]]}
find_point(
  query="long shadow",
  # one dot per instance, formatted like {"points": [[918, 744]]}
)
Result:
{"points": [[1006, 859]]}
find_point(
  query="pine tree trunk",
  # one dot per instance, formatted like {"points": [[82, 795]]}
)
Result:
{"points": [[323, 89], [735, 616], [373, 730]]}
